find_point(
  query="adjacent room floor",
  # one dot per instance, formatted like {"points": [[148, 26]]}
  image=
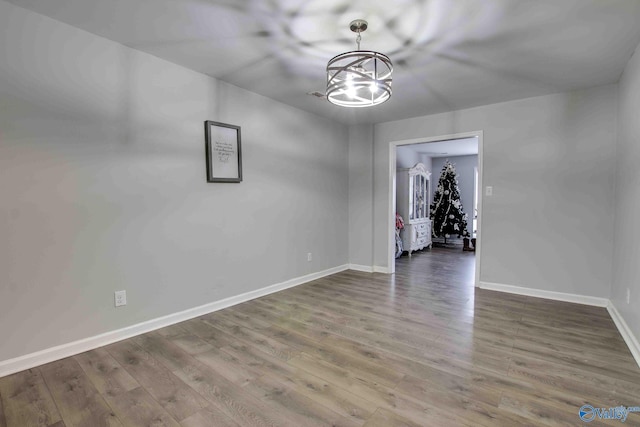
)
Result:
{"points": [[420, 348]]}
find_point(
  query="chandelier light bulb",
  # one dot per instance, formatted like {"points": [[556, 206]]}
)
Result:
{"points": [[349, 81]]}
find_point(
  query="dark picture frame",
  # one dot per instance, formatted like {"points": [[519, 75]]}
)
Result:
{"points": [[223, 151]]}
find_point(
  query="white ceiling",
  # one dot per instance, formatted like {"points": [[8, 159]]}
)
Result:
{"points": [[448, 148], [447, 54]]}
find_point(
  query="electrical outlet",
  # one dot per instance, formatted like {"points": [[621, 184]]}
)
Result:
{"points": [[309, 257], [628, 296], [120, 298], [488, 191]]}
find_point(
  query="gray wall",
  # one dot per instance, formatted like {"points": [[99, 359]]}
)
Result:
{"points": [[102, 187], [407, 156], [360, 193], [550, 160], [626, 267], [465, 168], [428, 162]]}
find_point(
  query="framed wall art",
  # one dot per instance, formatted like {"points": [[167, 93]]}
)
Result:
{"points": [[223, 150]]}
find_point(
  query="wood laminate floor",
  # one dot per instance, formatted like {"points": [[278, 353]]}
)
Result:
{"points": [[420, 348]]}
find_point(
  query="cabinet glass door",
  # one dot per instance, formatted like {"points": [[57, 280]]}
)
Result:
{"points": [[411, 198], [420, 196], [426, 198], [418, 200]]}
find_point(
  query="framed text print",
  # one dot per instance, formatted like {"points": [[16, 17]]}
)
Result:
{"points": [[224, 155]]}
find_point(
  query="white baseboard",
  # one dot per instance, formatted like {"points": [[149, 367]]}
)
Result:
{"points": [[38, 358], [625, 331], [369, 269], [539, 293], [363, 268]]}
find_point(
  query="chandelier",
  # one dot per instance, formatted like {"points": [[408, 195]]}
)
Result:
{"points": [[359, 78]]}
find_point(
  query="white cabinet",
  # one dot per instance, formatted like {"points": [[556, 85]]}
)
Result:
{"points": [[412, 203], [419, 234]]}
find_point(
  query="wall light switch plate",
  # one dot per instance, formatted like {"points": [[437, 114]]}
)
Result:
{"points": [[309, 257], [488, 191]]}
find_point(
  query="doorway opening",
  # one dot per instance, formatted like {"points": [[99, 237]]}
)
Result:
{"points": [[464, 150]]}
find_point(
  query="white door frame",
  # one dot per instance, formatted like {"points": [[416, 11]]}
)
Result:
{"points": [[391, 237]]}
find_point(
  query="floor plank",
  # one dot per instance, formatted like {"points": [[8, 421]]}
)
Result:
{"points": [[229, 398], [385, 418], [3, 419], [138, 408], [214, 338], [79, 402], [325, 393], [208, 417], [27, 400], [106, 374], [298, 408], [223, 395], [173, 394]]}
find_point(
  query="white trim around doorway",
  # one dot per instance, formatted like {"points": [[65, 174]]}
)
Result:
{"points": [[392, 193]]}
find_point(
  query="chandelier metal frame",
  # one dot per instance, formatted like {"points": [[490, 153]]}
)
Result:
{"points": [[360, 78]]}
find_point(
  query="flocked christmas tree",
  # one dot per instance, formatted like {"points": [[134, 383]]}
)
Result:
{"points": [[446, 210]]}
